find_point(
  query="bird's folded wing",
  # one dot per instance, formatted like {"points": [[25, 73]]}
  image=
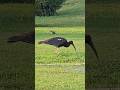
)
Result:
{"points": [[56, 41]]}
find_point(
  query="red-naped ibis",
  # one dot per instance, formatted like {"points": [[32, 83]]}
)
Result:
{"points": [[58, 42]]}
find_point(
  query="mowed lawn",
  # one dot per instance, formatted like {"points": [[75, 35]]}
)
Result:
{"points": [[59, 77], [61, 71], [46, 54]]}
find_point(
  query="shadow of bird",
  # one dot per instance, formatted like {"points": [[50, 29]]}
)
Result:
{"points": [[28, 37], [53, 32], [58, 42], [88, 40]]}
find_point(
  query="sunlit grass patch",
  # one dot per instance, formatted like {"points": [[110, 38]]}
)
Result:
{"points": [[59, 78]]}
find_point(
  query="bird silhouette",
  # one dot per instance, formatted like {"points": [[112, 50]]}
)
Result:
{"points": [[58, 42], [53, 32], [88, 40], [28, 37]]}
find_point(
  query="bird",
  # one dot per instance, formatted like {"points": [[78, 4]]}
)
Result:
{"points": [[88, 40], [53, 32], [28, 37], [58, 42]]}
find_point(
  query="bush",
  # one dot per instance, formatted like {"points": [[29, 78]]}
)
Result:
{"points": [[47, 7]]}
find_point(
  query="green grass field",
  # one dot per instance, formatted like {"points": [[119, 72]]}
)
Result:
{"points": [[13, 17], [70, 24], [59, 77], [62, 75], [58, 71], [66, 55]]}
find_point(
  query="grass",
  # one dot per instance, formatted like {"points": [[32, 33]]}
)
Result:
{"points": [[14, 72], [103, 16], [107, 73], [16, 17], [66, 55], [16, 9], [60, 21], [105, 32], [63, 72], [72, 13], [68, 23], [72, 7], [59, 78]]}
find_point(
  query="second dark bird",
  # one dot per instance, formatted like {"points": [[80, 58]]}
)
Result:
{"points": [[28, 37], [58, 42], [53, 32]]}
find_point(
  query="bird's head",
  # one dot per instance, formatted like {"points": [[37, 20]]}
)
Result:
{"points": [[71, 43]]}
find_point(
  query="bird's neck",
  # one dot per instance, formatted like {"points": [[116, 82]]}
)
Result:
{"points": [[68, 44]]}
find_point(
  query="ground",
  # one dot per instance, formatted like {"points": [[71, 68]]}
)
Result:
{"points": [[63, 71], [108, 51], [50, 65], [60, 77], [66, 55]]}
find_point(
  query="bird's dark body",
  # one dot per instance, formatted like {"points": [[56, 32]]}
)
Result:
{"points": [[57, 42], [25, 37]]}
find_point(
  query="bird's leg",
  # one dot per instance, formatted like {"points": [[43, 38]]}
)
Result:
{"points": [[57, 51]]}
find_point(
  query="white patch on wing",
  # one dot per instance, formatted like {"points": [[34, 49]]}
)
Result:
{"points": [[59, 39]]}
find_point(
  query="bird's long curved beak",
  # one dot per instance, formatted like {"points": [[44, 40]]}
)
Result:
{"points": [[93, 48], [75, 50], [74, 46]]}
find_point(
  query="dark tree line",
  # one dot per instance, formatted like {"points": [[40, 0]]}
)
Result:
{"points": [[47, 7], [17, 1]]}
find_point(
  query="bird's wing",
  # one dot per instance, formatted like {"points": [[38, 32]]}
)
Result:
{"points": [[57, 41]]}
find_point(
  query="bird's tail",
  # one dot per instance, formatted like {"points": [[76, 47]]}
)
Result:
{"points": [[14, 39], [40, 42]]}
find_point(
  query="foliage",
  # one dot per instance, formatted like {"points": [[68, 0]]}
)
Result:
{"points": [[47, 7], [72, 13]]}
